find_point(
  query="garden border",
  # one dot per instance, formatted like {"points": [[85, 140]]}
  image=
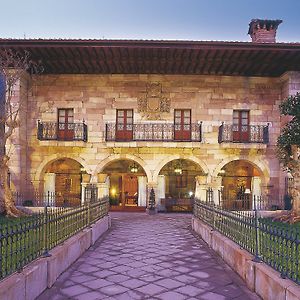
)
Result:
{"points": [[259, 278], [41, 274]]}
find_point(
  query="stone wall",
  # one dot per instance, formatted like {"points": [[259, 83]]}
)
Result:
{"points": [[212, 100]]}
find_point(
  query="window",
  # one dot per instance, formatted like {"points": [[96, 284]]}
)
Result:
{"points": [[182, 124], [124, 125], [66, 124], [240, 126]]}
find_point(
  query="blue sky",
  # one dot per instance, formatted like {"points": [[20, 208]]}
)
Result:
{"points": [[145, 19]]}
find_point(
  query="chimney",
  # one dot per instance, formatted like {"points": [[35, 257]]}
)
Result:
{"points": [[263, 31]]}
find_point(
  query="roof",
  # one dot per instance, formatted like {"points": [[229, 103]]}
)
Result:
{"points": [[72, 56]]}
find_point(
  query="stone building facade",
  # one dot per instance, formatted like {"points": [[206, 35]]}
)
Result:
{"points": [[142, 125]]}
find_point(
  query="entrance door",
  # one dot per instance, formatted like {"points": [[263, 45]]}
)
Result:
{"points": [[240, 128], [124, 125], [130, 190], [182, 124], [65, 124]]}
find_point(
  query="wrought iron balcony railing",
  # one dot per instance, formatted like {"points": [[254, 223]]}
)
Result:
{"points": [[154, 132], [62, 131], [243, 134]]}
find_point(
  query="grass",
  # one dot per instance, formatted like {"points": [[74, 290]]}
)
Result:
{"points": [[278, 243], [26, 238]]}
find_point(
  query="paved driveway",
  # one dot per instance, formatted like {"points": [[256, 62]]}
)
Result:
{"points": [[149, 257]]}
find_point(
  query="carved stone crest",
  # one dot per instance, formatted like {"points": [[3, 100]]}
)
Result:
{"points": [[153, 102]]}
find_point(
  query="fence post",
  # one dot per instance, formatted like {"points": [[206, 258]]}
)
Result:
{"points": [[46, 224], [89, 212], [256, 258]]}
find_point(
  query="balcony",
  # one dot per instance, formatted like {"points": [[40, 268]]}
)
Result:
{"points": [[48, 131], [155, 132], [243, 134]]}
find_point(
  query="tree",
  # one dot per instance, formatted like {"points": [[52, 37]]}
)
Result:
{"points": [[288, 145], [13, 66]]}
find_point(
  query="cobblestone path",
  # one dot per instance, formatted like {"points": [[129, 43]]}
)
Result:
{"points": [[149, 257]]}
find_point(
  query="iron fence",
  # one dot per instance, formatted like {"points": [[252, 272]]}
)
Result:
{"points": [[245, 134], [62, 131], [24, 239], [272, 242], [164, 132]]}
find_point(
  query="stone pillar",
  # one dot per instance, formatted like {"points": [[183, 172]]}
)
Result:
{"points": [[161, 189], [201, 187], [103, 185], [49, 188], [85, 181], [142, 191], [83, 186], [255, 189], [216, 185]]}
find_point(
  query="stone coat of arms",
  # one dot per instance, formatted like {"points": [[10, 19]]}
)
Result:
{"points": [[153, 103]]}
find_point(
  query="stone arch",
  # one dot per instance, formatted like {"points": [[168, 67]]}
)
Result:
{"points": [[261, 166], [46, 162], [166, 160], [115, 157]]}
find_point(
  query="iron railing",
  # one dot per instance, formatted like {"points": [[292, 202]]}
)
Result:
{"points": [[62, 132], [160, 132], [274, 243], [57, 199], [245, 134], [24, 239]]}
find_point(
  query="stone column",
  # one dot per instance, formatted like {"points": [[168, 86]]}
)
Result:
{"points": [[255, 189], [142, 191], [83, 186], [103, 185], [161, 190], [201, 187], [85, 181], [216, 185]]}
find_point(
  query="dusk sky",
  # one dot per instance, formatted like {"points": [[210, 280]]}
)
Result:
{"points": [[146, 19]]}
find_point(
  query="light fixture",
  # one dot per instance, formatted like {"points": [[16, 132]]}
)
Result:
{"points": [[247, 191], [133, 168], [191, 193], [222, 172], [178, 168]]}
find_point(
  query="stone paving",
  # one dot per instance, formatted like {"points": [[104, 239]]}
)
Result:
{"points": [[149, 257]]}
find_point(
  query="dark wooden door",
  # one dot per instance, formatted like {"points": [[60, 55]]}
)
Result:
{"points": [[240, 128], [130, 189], [182, 124], [124, 124], [65, 124]]}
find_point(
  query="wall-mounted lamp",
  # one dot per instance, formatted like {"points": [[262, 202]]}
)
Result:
{"points": [[247, 191]]}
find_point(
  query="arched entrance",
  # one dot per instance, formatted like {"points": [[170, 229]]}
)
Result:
{"points": [[128, 182], [178, 180], [241, 181], [62, 182]]}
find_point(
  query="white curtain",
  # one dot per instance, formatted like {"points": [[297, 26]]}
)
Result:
{"points": [[142, 185]]}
